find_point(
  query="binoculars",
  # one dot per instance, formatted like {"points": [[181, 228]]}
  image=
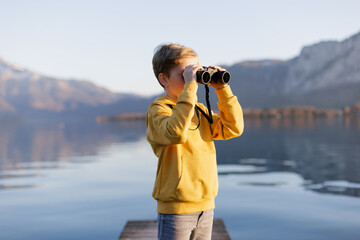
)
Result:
{"points": [[208, 75]]}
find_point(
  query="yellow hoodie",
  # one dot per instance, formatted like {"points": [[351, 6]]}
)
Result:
{"points": [[186, 178]]}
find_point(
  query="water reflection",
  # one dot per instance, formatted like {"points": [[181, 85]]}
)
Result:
{"points": [[25, 145], [335, 187], [324, 153]]}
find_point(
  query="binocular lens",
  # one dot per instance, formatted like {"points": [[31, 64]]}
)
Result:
{"points": [[204, 77], [212, 75], [226, 77]]}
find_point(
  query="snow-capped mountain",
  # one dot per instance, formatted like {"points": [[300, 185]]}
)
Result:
{"points": [[323, 65], [23, 91], [326, 74]]}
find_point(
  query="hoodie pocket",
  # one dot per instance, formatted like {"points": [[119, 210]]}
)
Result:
{"points": [[198, 180]]}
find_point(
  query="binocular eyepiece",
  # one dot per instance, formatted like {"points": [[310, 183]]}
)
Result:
{"points": [[208, 75]]}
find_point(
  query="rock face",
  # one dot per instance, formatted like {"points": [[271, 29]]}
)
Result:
{"points": [[324, 65], [326, 74]]}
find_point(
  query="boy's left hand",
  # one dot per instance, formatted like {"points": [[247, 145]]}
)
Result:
{"points": [[219, 85]]}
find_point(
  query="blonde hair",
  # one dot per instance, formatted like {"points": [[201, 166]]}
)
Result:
{"points": [[167, 56]]}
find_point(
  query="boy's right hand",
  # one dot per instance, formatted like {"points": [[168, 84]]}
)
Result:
{"points": [[189, 73]]}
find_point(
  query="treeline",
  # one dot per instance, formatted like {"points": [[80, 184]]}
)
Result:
{"points": [[295, 112], [287, 112], [292, 112]]}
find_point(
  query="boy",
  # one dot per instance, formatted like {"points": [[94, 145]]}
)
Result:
{"points": [[186, 179]]}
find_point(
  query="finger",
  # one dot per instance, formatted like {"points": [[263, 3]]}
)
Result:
{"points": [[196, 68], [217, 67]]}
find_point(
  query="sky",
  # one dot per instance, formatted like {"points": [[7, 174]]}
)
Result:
{"points": [[111, 43]]}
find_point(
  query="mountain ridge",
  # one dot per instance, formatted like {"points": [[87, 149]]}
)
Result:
{"points": [[25, 92], [319, 68], [324, 74]]}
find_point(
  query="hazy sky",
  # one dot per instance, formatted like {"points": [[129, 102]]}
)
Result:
{"points": [[111, 43]]}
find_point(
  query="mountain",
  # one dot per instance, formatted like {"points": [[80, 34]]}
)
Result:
{"points": [[326, 74], [26, 93]]}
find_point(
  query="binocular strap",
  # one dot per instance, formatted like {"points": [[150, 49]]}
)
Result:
{"points": [[198, 109], [208, 117]]}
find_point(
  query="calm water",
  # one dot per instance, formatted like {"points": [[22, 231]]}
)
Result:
{"points": [[82, 180]]}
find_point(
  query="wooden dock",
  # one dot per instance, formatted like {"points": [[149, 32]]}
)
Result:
{"points": [[147, 230]]}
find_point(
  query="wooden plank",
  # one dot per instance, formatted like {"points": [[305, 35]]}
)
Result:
{"points": [[219, 231], [147, 230]]}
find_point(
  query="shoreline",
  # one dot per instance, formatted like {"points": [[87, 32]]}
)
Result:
{"points": [[286, 112]]}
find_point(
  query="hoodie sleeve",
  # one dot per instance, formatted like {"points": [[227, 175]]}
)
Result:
{"points": [[166, 126], [230, 123]]}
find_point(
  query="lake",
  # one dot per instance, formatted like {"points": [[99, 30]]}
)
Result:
{"points": [[84, 180]]}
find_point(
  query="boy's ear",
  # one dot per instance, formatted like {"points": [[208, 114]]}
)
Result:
{"points": [[163, 79]]}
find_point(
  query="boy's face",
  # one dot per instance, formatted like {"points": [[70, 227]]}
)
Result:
{"points": [[174, 84]]}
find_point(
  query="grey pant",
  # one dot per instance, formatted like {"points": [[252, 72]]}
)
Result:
{"points": [[186, 226]]}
